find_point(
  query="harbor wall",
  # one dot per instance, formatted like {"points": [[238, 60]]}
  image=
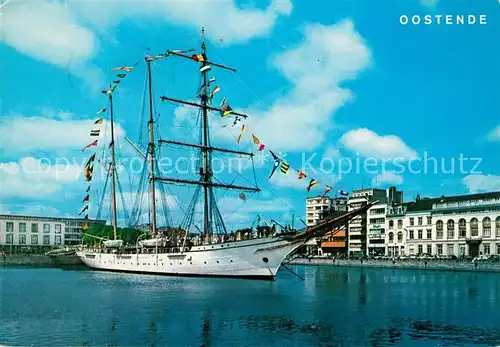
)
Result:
{"points": [[446, 265], [38, 260]]}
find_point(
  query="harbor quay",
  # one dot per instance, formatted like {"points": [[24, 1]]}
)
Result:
{"points": [[415, 264]]}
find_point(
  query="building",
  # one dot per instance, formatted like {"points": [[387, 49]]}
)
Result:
{"points": [[318, 206], [334, 242], [366, 230], [464, 225], [39, 232]]}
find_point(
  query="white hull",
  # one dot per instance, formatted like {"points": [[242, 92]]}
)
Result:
{"points": [[256, 258]]}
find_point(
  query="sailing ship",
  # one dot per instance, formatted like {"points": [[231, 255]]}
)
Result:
{"points": [[218, 256]]}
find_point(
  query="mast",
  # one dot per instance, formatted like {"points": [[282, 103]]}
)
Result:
{"points": [[207, 170], [211, 214], [151, 149], [113, 167]]}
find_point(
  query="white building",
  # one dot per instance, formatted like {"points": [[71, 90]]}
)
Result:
{"points": [[366, 232], [317, 206], [27, 231], [457, 225]]}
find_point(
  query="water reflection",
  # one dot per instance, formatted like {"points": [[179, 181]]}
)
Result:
{"points": [[333, 306]]}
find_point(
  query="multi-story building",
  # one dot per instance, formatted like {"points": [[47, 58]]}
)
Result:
{"points": [[366, 231], [318, 206], [456, 225], [39, 232], [396, 226]]}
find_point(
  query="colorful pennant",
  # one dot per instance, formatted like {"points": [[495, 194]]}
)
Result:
{"points": [[93, 144], [284, 167], [311, 184], [243, 128], [327, 190]]}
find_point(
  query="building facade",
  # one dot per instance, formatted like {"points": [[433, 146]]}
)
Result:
{"points": [[466, 225], [39, 232], [366, 232], [318, 206]]}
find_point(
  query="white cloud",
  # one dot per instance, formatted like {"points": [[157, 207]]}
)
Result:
{"points": [[63, 33], [289, 180], [33, 178], [328, 56], [26, 134], [50, 32], [332, 152], [221, 19], [494, 135], [370, 144], [229, 205], [387, 178], [482, 183]]}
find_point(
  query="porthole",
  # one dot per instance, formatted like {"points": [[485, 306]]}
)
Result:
{"points": [[231, 260], [205, 262], [217, 262], [265, 260]]}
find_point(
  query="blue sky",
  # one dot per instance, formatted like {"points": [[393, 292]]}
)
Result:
{"points": [[335, 81]]}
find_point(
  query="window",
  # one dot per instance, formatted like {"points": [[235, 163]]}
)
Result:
{"points": [[498, 248], [412, 221], [22, 227], [57, 239], [420, 220], [420, 249], [439, 229], [46, 239], [400, 237], [429, 220], [439, 249], [486, 248], [474, 227], [462, 228], [429, 234], [22, 239], [34, 238], [429, 249], [10, 227], [412, 235], [497, 226], [391, 224], [450, 228], [486, 226], [451, 249], [9, 239], [400, 223], [46, 228], [34, 227], [391, 237], [462, 249], [420, 234]]}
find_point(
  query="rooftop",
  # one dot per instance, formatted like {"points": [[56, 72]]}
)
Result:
{"points": [[48, 219], [423, 204]]}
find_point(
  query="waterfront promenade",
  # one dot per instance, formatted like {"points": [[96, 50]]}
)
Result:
{"points": [[430, 264]]}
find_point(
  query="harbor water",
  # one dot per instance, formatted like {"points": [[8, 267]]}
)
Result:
{"points": [[332, 306]]}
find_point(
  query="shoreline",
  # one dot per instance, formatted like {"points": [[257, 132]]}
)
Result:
{"points": [[36, 260], [442, 265]]}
